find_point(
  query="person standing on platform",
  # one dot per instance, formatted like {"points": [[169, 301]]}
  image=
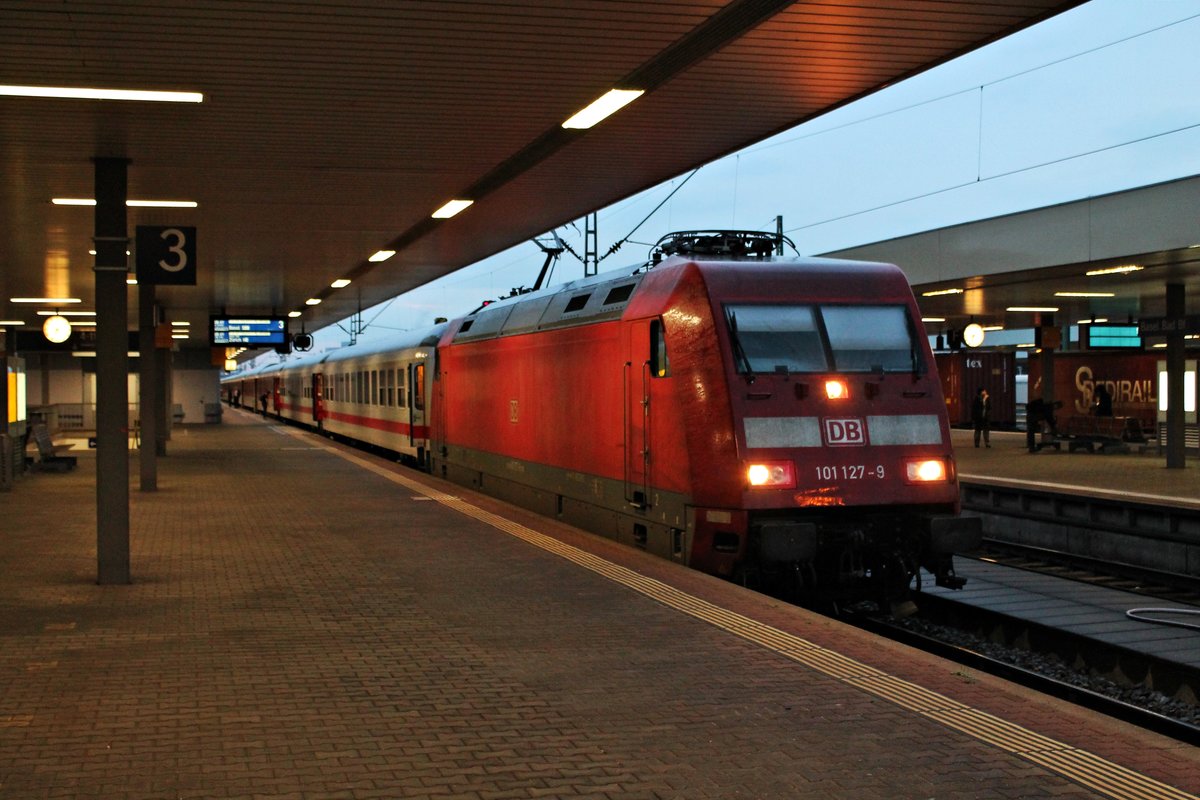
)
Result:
{"points": [[981, 415], [263, 400], [1103, 405]]}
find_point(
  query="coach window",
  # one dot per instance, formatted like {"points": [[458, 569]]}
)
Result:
{"points": [[401, 400], [418, 387], [374, 387], [660, 365]]}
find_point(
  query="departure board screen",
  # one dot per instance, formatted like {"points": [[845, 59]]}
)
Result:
{"points": [[249, 331]]}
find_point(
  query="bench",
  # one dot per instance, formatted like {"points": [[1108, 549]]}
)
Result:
{"points": [[49, 459], [1109, 434]]}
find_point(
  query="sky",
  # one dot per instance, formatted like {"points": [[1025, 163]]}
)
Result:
{"points": [[1101, 99]]}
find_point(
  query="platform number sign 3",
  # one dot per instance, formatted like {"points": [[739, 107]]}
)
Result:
{"points": [[166, 254]]}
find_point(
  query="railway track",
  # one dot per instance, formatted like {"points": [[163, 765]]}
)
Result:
{"points": [[1048, 660]]}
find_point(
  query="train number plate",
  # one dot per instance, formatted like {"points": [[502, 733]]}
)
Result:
{"points": [[850, 472]]}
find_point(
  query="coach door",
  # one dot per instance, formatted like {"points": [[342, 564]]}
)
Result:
{"points": [[416, 404], [636, 385], [318, 397]]}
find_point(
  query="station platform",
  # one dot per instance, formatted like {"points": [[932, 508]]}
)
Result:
{"points": [[1141, 477], [308, 621]]}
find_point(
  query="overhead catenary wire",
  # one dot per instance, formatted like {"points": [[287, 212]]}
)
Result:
{"points": [[617, 245]]}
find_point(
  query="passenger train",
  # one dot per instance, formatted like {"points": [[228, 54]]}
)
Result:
{"points": [[774, 420]]}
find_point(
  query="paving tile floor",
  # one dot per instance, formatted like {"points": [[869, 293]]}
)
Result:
{"points": [[300, 627]]}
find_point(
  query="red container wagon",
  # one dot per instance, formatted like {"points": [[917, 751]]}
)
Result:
{"points": [[964, 373], [1130, 378]]}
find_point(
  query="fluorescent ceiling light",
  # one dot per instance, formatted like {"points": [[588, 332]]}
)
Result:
{"points": [[340, 283], [1027, 344], [1084, 294], [92, 353], [1115, 270], [90, 201], [611, 102], [49, 300], [294, 314], [933, 319], [66, 313], [182, 324], [161, 203], [450, 209], [179, 336], [131, 281], [12, 322], [81, 93], [937, 292], [313, 301], [993, 327], [384, 255], [1032, 308]]}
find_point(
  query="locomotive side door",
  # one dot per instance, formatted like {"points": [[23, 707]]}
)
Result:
{"points": [[636, 385], [318, 398]]}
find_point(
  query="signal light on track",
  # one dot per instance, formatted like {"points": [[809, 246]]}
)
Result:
{"points": [[836, 390]]}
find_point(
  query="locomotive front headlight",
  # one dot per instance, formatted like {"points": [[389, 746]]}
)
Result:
{"points": [[929, 470], [836, 390], [772, 475]]}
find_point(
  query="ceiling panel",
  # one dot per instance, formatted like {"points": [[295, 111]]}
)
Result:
{"points": [[330, 129]]}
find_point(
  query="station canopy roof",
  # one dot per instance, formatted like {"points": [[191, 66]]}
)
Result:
{"points": [[332, 129]]}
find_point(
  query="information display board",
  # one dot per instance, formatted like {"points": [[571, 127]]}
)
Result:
{"points": [[248, 331]]}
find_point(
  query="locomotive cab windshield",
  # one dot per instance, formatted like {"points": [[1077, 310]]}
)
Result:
{"points": [[824, 338]]}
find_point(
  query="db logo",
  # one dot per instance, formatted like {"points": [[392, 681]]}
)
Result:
{"points": [[845, 431]]}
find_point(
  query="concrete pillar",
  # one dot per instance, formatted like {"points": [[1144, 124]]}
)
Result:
{"points": [[1176, 366], [147, 388], [112, 373]]}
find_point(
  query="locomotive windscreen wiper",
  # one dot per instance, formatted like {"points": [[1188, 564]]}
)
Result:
{"points": [[739, 352]]}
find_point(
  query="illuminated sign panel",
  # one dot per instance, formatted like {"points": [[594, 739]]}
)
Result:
{"points": [[1114, 337], [248, 331]]}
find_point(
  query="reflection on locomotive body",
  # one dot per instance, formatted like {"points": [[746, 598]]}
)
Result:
{"points": [[773, 420]]}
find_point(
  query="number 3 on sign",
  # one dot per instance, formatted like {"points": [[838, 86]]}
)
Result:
{"points": [[166, 254], [176, 249]]}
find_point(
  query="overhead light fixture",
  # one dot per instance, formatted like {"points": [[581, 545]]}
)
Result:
{"points": [[938, 292], [1027, 344], [294, 314], [179, 336], [181, 324], [1048, 309], [11, 322], [340, 283], [89, 201], [50, 300], [313, 301], [990, 328], [57, 329], [933, 319], [1115, 270], [66, 313], [450, 209], [1085, 294], [384, 255], [131, 281], [605, 105], [84, 93]]}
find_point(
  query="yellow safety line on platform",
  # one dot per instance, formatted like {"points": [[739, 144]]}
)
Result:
{"points": [[1072, 763]]}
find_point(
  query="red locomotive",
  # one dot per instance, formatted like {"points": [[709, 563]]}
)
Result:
{"points": [[776, 420]]}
